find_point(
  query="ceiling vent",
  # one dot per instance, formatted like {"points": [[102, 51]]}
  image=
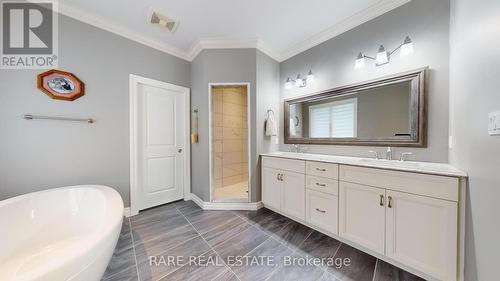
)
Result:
{"points": [[163, 21]]}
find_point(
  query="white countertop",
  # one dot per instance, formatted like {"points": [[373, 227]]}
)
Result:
{"points": [[407, 166]]}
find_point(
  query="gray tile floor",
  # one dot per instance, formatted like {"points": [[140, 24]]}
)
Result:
{"points": [[182, 229]]}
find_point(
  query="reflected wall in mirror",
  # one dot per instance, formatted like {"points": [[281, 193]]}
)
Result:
{"points": [[388, 111]]}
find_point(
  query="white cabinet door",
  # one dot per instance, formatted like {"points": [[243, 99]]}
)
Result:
{"points": [[422, 233], [362, 215], [271, 187], [294, 193], [322, 210]]}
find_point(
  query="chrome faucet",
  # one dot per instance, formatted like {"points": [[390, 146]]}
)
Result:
{"points": [[388, 153], [295, 148]]}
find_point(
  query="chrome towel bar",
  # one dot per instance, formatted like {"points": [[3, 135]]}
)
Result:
{"points": [[31, 117]]}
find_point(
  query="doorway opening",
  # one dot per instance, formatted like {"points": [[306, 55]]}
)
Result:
{"points": [[229, 142]]}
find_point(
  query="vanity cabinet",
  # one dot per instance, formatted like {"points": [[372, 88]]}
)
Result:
{"points": [[271, 195], [421, 232], [284, 182], [412, 219], [362, 215]]}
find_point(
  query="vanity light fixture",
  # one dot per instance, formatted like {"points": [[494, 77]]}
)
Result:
{"points": [[383, 56], [299, 81]]}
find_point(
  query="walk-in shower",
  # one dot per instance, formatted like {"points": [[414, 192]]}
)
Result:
{"points": [[229, 143]]}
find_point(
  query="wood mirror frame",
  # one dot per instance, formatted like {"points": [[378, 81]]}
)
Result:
{"points": [[418, 108]]}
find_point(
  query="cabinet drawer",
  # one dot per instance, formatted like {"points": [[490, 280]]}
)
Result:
{"points": [[322, 210], [321, 169], [421, 184], [322, 184], [298, 166]]}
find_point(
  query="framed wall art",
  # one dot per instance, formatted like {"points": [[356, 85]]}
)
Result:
{"points": [[60, 85]]}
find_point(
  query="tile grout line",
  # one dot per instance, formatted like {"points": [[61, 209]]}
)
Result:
{"points": [[206, 242], [334, 254], [375, 270], [133, 247]]}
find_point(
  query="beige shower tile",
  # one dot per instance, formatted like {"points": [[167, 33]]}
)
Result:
{"points": [[217, 146], [232, 121], [217, 106], [231, 95], [230, 171], [244, 133], [229, 158], [231, 133], [244, 175], [231, 180], [232, 145], [217, 120], [231, 109], [217, 133], [244, 167], [218, 172], [217, 159], [218, 183]]}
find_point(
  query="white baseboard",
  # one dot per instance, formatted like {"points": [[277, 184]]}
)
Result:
{"points": [[244, 206], [126, 212]]}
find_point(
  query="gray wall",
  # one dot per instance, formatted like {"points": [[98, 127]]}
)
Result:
{"points": [[427, 22], [218, 66], [36, 155], [474, 92], [233, 66], [268, 97]]}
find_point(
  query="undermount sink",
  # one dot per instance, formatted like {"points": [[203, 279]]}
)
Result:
{"points": [[393, 163]]}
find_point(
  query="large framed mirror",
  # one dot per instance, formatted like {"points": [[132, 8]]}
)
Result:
{"points": [[390, 111]]}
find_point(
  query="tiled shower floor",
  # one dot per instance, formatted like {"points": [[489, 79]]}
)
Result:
{"points": [[182, 230], [237, 191]]}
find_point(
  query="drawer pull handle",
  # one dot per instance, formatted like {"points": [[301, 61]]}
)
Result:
{"points": [[320, 184], [389, 204], [381, 200], [321, 211], [321, 170]]}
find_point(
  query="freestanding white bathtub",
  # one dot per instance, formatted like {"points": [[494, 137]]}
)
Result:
{"points": [[59, 234]]}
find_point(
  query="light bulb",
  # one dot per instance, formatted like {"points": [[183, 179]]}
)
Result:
{"points": [[310, 77], [382, 56], [288, 83], [360, 61], [298, 81], [407, 47]]}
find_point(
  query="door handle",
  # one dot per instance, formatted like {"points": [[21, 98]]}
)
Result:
{"points": [[389, 204], [179, 150], [321, 211], [281, 177], [278, 176], [381, 200]]}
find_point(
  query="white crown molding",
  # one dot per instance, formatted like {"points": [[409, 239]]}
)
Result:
{"points": [[349, 23], [102, 23], [383, 6], [230, 44]]}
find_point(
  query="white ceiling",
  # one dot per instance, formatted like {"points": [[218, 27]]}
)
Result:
{"points": [[280, 28]]}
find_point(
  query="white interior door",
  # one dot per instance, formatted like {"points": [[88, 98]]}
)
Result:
{"points": [[161, 143]]}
